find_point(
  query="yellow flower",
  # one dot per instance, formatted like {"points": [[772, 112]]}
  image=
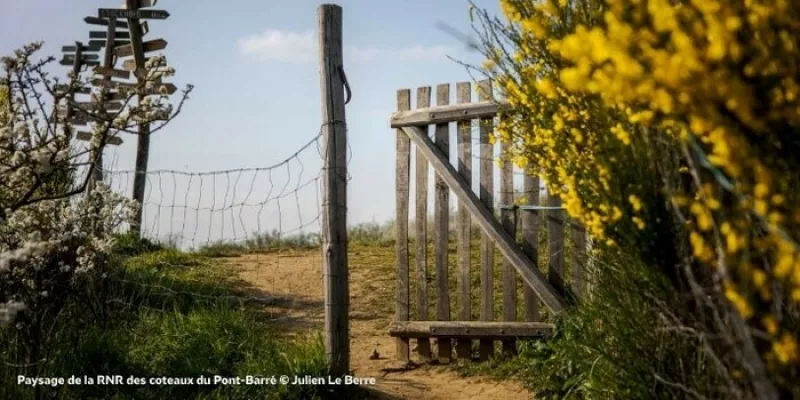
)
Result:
{"points": [[739, 302], [770, 324], [639, 223], [786, 349], [635, 202]]}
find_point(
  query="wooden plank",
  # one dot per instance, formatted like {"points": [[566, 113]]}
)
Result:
{"points": [[84, 49], [486, 193], [112, 84], [94, 106], [87, 136], [147, 3], [334, 194], [147, 47], [530, 241], [103, 35], [78, 90], [85, 60], [165, 89], [443, 114], [103, 43], [508, 216], [464, 222], [421, 222], [104, 22], [121, 13], [130, 65], [577, 261], [143, 140], [442, 221], [110, 96], [470, 329], [506, 244], [114, 73], [555, 244], [401, 225]]}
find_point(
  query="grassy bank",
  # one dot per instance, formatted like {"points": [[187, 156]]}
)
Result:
{"points": [[160, 312]]}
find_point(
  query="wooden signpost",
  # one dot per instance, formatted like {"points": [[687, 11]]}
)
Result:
{"points": [[132, 13], [102, 43], [85, 60], [153, 45], [84, 49], [114, 73], [104, 22], [103, 35], [87, 136], [77, 90], [112, 84]]}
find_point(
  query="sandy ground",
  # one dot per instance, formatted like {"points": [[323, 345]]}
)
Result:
{"points": [[296, 281]]}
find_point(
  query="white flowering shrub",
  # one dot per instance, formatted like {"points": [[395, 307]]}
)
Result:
{"points": [[56, 221]]}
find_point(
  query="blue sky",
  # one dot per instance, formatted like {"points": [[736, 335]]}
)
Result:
{"points": [[254, 67]]}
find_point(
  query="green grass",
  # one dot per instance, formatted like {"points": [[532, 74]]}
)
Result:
{"points": [[171, 314]]}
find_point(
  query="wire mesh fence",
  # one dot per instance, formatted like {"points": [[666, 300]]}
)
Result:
{"points": [[256, 230]]}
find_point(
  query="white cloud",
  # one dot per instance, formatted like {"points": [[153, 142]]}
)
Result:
{"points": [[280, 46], [276, 45]]}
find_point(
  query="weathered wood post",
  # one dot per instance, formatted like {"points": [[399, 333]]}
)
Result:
{"points": [[334, 200], [143, 143]]}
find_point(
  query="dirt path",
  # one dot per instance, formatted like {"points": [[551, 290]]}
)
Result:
{"points": [[297, 281]]}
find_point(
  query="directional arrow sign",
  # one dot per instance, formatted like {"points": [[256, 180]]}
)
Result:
{"points": [[115, 73], [87, 136], [83, 56], [104, 22], [64, 87], [112, 84], [102, 43], [109, 97], [104, 34], [84, 49], [70, 60], [94, 106], [163, 89], [132, 14], [130, 65], [152, 45], [145, 28]]}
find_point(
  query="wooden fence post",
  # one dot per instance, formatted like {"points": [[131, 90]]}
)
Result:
{"points": [[464, 225], [421, 221], [555, 243], [143, 140], [334, 179], [530, 240], [401, 224], [442, 221], [578, 260], [487, 197], [509, 224]]}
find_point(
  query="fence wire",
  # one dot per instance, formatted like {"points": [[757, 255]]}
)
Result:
{"points": [[257, 230]]}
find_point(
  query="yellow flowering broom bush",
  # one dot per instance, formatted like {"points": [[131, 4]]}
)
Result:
{"points": [[666, 125]]}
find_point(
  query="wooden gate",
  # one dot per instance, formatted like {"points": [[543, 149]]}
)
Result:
{"points": [[518, 249]]}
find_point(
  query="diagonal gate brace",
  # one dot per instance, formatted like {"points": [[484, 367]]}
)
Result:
{"points": [[507, 245]]}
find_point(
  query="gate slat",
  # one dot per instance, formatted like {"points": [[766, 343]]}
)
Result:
{"points": [[555, 244], [421, 222], [442, 229], [530, 241], [487, 197], [464, 224], [401, 218], [509, 224]]}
